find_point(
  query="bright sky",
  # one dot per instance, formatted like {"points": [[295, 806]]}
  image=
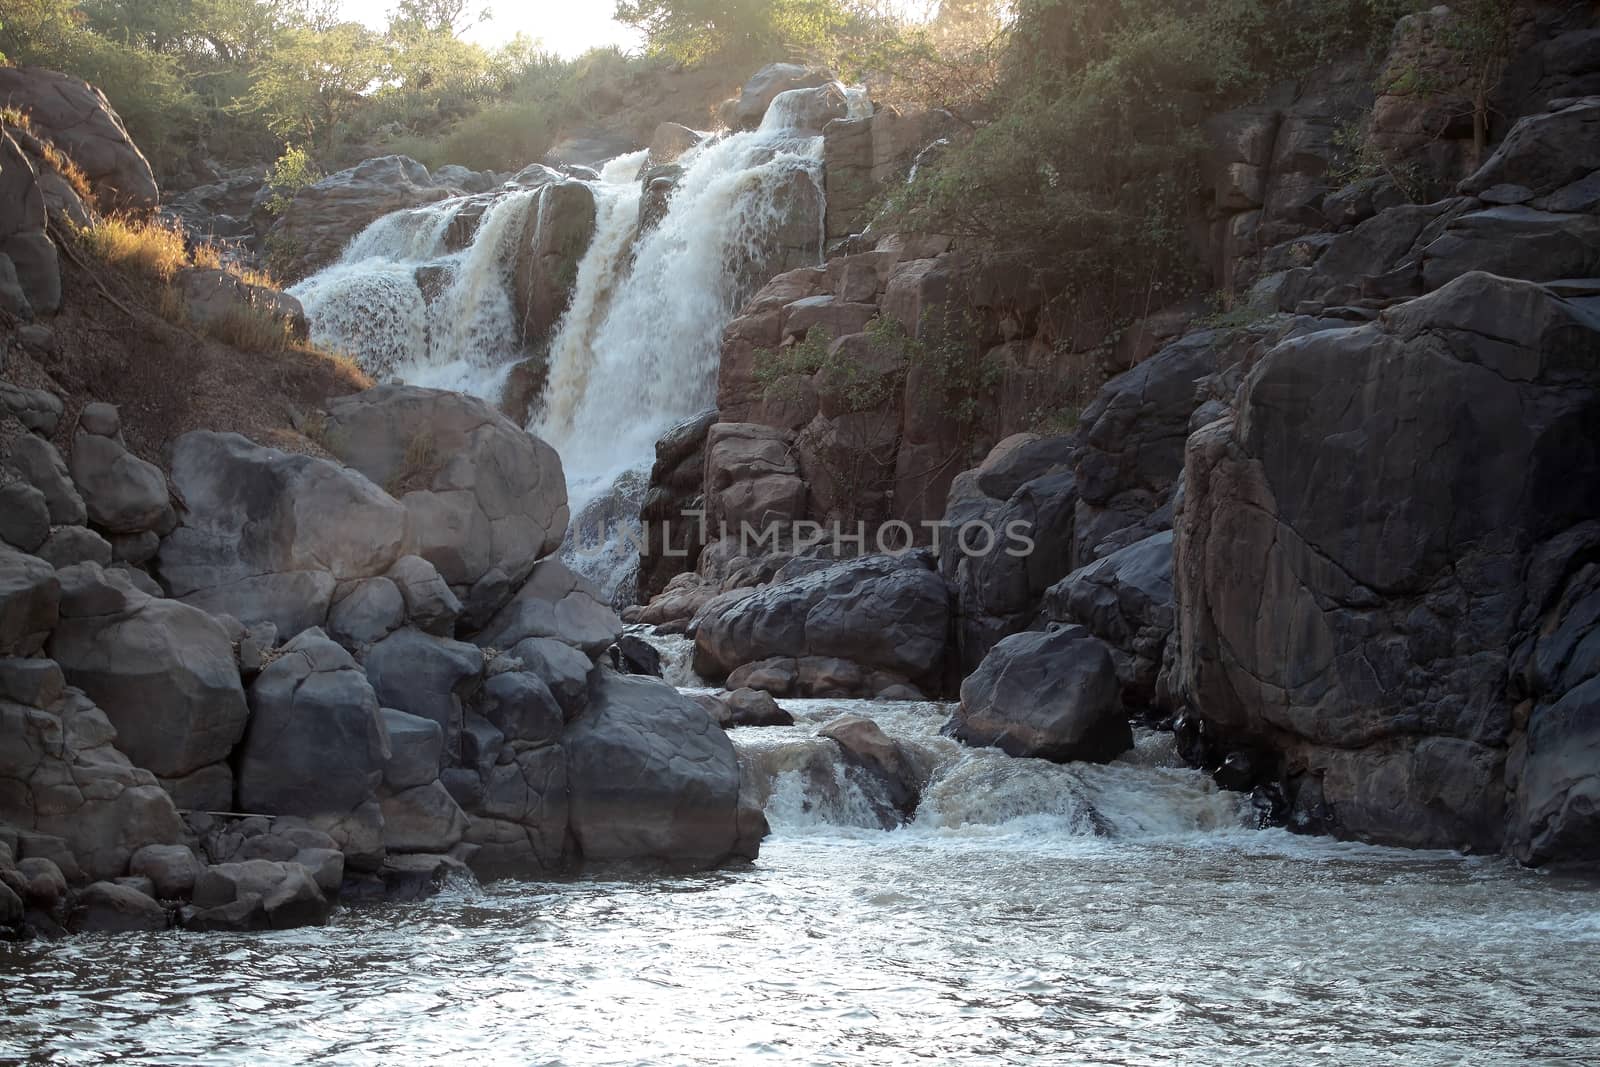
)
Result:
{"points": [[567, 27]]}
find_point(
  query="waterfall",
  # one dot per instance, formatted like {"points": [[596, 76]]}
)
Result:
{"points": [[638, 346]]}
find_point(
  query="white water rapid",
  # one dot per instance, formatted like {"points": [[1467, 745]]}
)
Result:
{"points": [[637, 348]]}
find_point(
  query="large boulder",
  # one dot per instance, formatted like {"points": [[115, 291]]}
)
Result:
{"points": [[481, 495], [1382, 486], [886, 614], [427, 676], [61, 775], [109, 908], [163, 672], [652, 778], [266, 536], [80, 121], [124, 494], [316, 745], [1052, 695], [1124, 599], [324, 216], [256, 895], [559, 228], [42, 467], [30, 602], [554, 603], [765, 85], [30, 272], [1544, 152]]}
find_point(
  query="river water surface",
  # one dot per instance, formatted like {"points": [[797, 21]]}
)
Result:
{"points": [[1032, 914]]}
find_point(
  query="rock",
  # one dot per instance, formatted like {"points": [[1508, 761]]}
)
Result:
{"points": [[31, 282], [752, 477], [1051, 695], [426, 676], [1020, 459], [1124, 599], [78, 800], [480, 493], [79, 120], [880, 612], [586, 149], [865, 745], [171, 869], [562, 668], [556, 603], [37, 410], [316, 745], [256, 895], [108, 908], [24, 516], [164, 672], [370, 610], [323, 217], [758, 93], [559, 229], [213, 297], [266, 536], [37, 683], [1370, 657], [430, 606], [522, 708], [416, 746], [652, 778], [1544, 152], [46, 886], [714, 706], [136, 549], [1514, 242], [122, 493], [30, 597], [423, 819], [43, 468], [637, 656], [69, 545], [751, 707], [525, 816]]}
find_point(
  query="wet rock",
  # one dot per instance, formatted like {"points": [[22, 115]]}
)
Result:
{"points": [[751, 707], [652, 778], [171, 869], [323, 217], [423, 819], [635, 655], [1373, 650], [865, 745], [758, 93], [256, 895], [558, 232], [108, 908], [1052, 695]]}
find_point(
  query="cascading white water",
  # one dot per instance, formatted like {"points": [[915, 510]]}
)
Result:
{"points": [[808, 788], [406, 307]]}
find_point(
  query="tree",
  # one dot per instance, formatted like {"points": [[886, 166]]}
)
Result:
{"points": [[692, 30], [451, 17], [314, 79]]}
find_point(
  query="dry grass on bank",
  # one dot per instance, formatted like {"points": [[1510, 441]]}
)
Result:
{"points": [[35, 143]]}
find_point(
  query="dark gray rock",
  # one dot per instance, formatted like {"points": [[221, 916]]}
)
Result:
{"points": [[368, 611], [1544, 152], [652, 778], [426, 676], [522, 708], [562, 668], [171, 869], [423, 819], [315, 745], [752, 707], [108, 908], [557, 603], [43, 468], [70, 545], [416, 747], [880, 612], [24, 516], [1052, 695]]}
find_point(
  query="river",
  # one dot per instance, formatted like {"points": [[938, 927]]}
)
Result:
{"points": [[1031, 914]]}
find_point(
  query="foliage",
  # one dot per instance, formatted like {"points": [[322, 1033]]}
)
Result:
{"points": [[150, 248], [1092, 157], [293, 171], [946, 360], [691, 31], [314, 79]]}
